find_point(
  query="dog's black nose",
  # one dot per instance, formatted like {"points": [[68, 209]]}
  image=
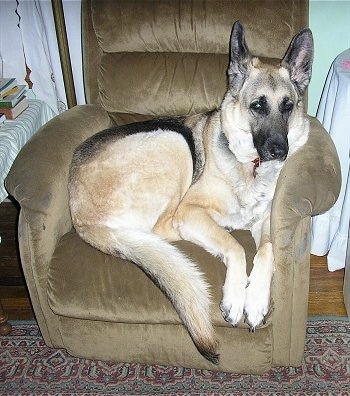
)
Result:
{"points": [[271, 146], [278, 151]]}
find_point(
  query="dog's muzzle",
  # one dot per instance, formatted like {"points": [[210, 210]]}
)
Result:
{"points": [[273, 148], [277, 149]]}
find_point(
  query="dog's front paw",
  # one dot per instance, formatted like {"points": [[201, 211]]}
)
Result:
{"points": [[257, 301], [232, 304], [256, 305]]}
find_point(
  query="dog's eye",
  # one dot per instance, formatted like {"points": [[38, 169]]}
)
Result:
{"points": [[286, 106], [259, 106], [256, 106]]}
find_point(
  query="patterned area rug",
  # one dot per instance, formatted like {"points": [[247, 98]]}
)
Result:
{"points": [[29, 367]]}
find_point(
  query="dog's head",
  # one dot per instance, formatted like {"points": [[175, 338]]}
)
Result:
{"points": [[263, 109]]}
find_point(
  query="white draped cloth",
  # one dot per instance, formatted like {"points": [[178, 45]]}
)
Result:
{"points": [[330, 230], [15, 133], [28, 36]]}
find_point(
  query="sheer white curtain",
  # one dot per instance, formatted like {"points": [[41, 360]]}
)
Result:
{"points": [[27, 36], [11, 48], [41, 52], [72, 16]]}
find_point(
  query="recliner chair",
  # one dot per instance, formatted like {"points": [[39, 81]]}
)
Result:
{"points": [[144, 59]]}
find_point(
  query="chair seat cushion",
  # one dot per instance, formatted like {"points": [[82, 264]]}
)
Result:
{"points": [[84, 283]]}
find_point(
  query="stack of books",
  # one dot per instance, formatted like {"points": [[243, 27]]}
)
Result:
{"points": [[13, 100]]}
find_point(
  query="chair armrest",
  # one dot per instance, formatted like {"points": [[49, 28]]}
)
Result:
{"points": [[310, 181], [38, 181], [309, 184], [38, 177]]}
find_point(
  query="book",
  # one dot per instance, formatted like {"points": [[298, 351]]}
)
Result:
{"points": [[10, 92], [12, 112], [13, 99], [6, 84]]}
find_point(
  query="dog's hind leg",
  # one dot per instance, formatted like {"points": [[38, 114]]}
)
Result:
{"points": [[257, 302], [175, 274]]}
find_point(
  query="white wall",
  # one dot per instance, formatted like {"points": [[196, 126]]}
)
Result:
{"points": [[330, 24]]}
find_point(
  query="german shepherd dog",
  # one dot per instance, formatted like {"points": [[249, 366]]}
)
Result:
{"points": [[136, 188]]}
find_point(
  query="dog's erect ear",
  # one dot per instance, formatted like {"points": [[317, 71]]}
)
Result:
{"points": [[239, 59], [298, 59]]}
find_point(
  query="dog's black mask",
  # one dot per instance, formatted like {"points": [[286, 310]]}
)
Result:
{"points": [[271, 146], [270, 129]]}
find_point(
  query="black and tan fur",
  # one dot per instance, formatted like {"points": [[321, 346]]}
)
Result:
{"points": [[135, 188]]}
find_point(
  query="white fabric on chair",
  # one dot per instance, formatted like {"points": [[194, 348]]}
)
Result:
{"points": [[330, 230], [15, 133]]}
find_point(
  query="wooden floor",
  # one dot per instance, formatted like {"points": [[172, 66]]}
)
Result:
{"points": [[325, 297]]}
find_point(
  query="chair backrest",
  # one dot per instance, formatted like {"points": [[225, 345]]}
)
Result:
{"points": [[169, 57]]}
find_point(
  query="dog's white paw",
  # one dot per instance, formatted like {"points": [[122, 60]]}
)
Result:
{"points": [[234, 295], [256, 305], [257, 301]]}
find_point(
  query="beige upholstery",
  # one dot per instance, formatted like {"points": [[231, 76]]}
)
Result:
{"points": [[144, 59]]}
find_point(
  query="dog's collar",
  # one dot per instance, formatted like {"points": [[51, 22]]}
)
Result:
{"points": [[256, 163]]}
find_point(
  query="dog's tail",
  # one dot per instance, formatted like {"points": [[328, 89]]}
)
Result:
{"points": [[175, 274]]}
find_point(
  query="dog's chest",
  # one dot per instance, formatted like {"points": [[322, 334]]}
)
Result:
{"points": [[249, 201]]}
